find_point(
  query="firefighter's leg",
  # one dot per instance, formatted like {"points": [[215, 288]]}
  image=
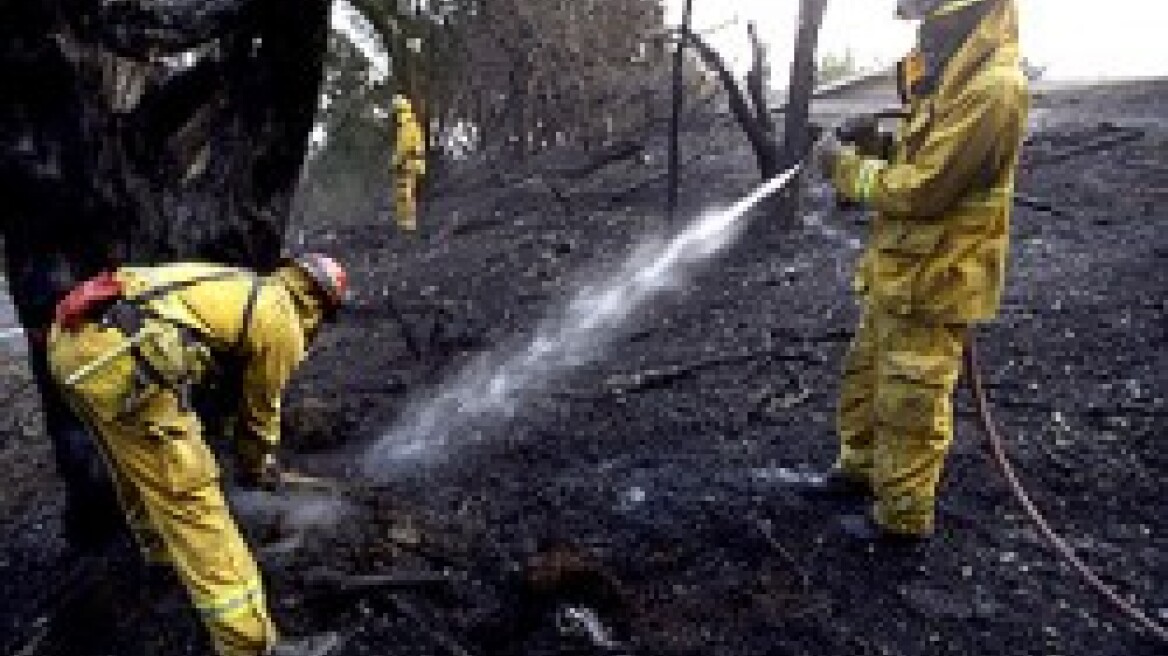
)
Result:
{"points": [[91, 517], [855, 412], [918, 365], [159, 454], [405, 201], [171, 468], [137, 516]]}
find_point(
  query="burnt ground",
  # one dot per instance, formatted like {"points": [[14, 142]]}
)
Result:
{"points": [[649, 486]]}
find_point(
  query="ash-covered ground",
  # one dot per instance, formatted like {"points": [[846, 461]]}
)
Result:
{"points": [[648, 486]]}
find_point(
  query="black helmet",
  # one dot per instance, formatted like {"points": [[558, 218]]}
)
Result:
{"points": [[922, 9]]}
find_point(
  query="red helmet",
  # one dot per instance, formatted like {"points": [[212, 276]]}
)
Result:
{"points": [[329, 276]]}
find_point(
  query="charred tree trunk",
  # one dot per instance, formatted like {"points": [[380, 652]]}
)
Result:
{"points": [[757, 80], [796, 132], [675, 116], [145, 132], [750, 106], [796, 126], [140, 158]]}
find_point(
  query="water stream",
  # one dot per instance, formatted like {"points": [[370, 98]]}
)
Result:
{"points": [[480, 398]]}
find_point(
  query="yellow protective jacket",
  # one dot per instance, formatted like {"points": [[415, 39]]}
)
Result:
{"points": [[409, 153], [939, 242], [214, 308]]}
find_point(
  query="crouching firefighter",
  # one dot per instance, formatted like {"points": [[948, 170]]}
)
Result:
{"points": [[127, 348], [936, 258]]}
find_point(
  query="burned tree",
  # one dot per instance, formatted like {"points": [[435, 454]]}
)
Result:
{"points": [[140, 132], [796, 133], [157, 131], [527, 75], [750, 107]]}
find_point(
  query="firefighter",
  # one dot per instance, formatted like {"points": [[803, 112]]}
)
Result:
{"points": [[935, 260], [409, 163], [127, 348]]}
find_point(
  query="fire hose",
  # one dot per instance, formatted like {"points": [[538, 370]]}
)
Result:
{"points": [[1059, 545]]}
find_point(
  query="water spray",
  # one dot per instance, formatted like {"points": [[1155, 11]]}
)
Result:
{"points": [[490, 389]]}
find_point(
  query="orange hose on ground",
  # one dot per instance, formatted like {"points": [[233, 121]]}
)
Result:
{"points": [[1060, 546]]}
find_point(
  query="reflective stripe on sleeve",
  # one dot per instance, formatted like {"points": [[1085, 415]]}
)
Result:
{"points": [[866, 179]]}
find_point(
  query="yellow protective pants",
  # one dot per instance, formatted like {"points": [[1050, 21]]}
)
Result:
{"points": [[168, 484], [895, 414], [405, 200]]}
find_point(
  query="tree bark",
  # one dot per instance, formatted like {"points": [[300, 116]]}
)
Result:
{"points": [[757, 81], [796, 133], [797, 126], [675, 116], [130, 159], [111, 155]]}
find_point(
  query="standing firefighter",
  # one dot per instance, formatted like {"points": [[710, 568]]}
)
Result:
{"points": [[127, 347], [409, 164], [935, 261]]}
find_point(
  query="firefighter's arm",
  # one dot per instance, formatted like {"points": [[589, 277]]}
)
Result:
{"points": [[399, 154], [958, 150], [276, 348]]}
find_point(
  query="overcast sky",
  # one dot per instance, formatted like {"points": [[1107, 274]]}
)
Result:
{"points": [[1074, 38]]}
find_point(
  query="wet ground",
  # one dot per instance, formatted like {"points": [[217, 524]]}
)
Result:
{"points": [[648, 487]]}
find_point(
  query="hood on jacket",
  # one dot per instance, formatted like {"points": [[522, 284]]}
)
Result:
{"points": [[960, 36]]}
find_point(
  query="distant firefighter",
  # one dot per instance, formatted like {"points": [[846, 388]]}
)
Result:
{"points": [[129, 348], [936, 259], [409, 163]]}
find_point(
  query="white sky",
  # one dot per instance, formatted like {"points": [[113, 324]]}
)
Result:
{"points": [[1074, 38]]}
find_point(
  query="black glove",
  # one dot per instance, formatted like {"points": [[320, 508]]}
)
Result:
{"points": [[264, 473], [864, 134]]}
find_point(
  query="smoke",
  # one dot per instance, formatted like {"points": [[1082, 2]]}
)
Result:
{"points": [[292, 516], [490, 390]]}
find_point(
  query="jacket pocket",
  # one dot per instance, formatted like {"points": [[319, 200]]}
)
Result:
{"points": [[903, 251], [913, 394], [910, 238]]}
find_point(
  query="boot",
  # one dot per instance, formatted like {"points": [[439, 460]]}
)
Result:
{"points": [[316, 645], [863, 529], [832, 484]]}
